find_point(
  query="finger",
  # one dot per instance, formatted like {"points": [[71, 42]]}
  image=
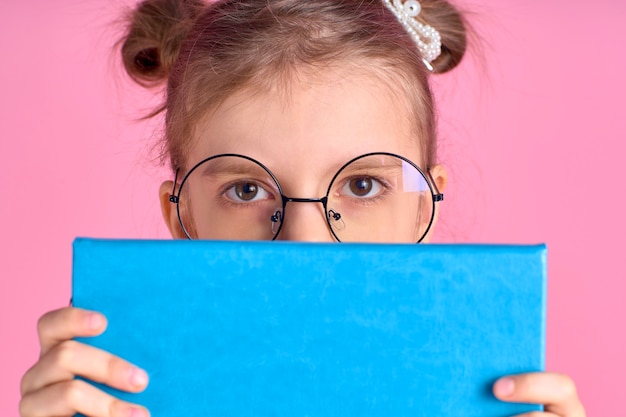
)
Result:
{"points": [[68, 323], [70, 358], [76, 396], [556, 391]]}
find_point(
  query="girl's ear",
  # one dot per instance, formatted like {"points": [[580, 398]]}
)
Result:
{"points": [[168, 209], [439, 175]]}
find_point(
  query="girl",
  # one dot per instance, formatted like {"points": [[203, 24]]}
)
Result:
{"points": [[288, 120]]}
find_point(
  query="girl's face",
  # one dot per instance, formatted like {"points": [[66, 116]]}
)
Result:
{"points": [[304, 133]]}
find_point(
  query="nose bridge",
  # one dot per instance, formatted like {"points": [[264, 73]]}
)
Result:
{"points": [[305, 221]]}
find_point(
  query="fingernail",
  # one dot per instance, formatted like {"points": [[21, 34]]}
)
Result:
{"points": [[95, 321], [138, 377], [135, 412], [122, 409], [504, 387]]}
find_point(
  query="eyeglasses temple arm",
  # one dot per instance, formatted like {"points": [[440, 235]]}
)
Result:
{"points": [[438, 196], [174, 198]]}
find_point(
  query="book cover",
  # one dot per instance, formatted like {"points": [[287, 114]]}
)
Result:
{"points": [[305, 330]]}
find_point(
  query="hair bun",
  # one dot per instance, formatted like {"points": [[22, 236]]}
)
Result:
{"points": [[155, 33], [449, 22]]}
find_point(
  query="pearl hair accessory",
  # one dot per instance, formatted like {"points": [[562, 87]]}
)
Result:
{"points": [[427, 38]]}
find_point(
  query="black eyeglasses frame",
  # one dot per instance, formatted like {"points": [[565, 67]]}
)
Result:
{"points": [[436, 195]]}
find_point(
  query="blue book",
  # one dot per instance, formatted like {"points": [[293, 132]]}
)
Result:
{"points": [[292, 329]]}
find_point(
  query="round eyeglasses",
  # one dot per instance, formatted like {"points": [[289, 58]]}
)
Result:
{"points": [[376, 197]]}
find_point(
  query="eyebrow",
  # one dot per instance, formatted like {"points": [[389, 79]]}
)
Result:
{"points": [[367, 164], [224, 166]]}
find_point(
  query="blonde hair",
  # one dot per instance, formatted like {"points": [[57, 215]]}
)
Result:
{"points": [[206, 52]]}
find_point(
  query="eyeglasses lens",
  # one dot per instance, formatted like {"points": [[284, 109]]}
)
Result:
{"points": [[229, 197], [380, 198]]}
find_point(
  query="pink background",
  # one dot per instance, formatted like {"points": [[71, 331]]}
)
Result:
{"points": [[534, 140]]}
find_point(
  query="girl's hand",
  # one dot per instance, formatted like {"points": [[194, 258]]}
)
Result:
{"points": [[49, 388], [557, 392]]}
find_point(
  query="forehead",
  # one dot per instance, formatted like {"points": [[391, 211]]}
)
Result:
{"points": [[310, 122]]}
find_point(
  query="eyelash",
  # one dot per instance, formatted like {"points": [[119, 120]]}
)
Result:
{"points": [[242, 205], [367, 201]]}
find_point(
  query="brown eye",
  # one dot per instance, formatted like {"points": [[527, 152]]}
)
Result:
{"points": [[246, 191], [361, 187]]}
